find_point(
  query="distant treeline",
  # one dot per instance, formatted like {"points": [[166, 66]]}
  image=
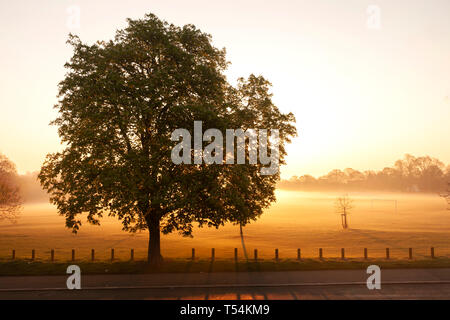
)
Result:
{"points": [[26, 187], [30, 188], [411, 174]]}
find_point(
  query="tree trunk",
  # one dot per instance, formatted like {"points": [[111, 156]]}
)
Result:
{"points": [[243, 243], [154, 243]]}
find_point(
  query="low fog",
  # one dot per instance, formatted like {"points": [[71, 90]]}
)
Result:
{"points": [[410, 174]]}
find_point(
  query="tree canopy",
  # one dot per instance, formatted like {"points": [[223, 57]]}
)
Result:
{"points": [[10, 199], [118, 105], [410, 174]]}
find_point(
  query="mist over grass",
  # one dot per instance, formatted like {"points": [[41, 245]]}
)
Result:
{"points": [[305, 220], [30, 189], [410, 174]]}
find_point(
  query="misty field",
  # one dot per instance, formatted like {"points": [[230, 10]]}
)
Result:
{"points": [[298, 220]]}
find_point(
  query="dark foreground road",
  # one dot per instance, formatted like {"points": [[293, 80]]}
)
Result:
{"points": [[339, 284]]}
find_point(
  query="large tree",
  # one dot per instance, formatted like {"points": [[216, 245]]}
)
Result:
{"points": [[10, 199], [118, 106]]}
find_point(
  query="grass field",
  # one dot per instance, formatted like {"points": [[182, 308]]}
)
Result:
{"points": [[298, 220], [27, 268]]}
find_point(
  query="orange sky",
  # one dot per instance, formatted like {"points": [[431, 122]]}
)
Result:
{"points": [[363, 97]]}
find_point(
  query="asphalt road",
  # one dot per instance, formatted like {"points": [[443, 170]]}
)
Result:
{"points": [[298, 285]]}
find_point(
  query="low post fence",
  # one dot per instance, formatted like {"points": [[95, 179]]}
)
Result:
{"points": [[300, 254]]}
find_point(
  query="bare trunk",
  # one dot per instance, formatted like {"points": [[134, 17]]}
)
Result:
{"points": [[243, 243], [154, 243], [345, 219]]}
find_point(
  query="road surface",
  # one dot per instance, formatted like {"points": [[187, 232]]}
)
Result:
{"points": [[298, 285]]}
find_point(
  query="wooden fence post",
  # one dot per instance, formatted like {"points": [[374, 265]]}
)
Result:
{"points": [[236, 257]]}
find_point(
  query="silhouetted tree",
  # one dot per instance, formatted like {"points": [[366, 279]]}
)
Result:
{"points": [[119, 104], [410, 174], [343, 206], [446, 196], [10, 199]]}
